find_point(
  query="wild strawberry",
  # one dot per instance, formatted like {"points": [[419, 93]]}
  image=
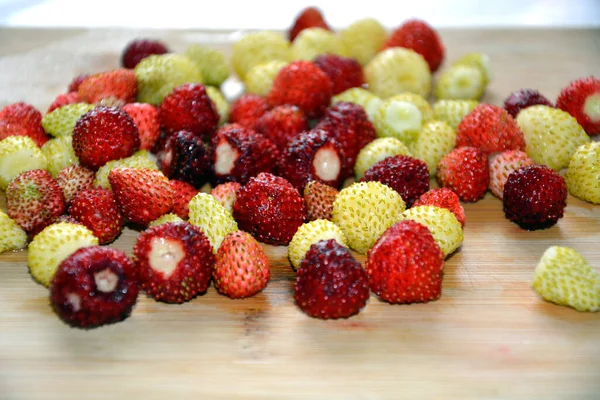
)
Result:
{"points": [[363, 39], [226, 193], [310, 17], [76, 82], [311, 233], [12, 237], [303, 84], [256, 48], [60, 122], [465, 171], [460, 82], [441, 222], [314, 155], [259, 79], [98, 211], [242, 267], [211, 62], [362, 97], [63, 100], [330, 283], [453, 111], [269, 208], [139, 159], [534, 197], [138, 49], [406, 175], [104, 134], [405, 265], [183, 192], [18, 154], [581, 99], [145, 117], [376, 151], [319, 198], [212, 218], [478, 60], [443, 198], [59, 154], [435, 140], [118, 84], [399, 119], [418, 101], [188, 107], [74, 179], [282, 124], [313, 42], [165, 219], [239, 153], [220, 102], [185, 158], [344, 73], [142, 194], [419, 36], [94, 286], [34, 200], [20, 119], [502, 165], [524, 98], [584, 170], [491, 129], [247, 109], [174, 262]]}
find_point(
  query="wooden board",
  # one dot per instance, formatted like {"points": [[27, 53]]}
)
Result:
{"points": [[488, 337]]}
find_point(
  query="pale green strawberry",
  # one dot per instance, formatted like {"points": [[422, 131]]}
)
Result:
{"points": [[453, 111], [259, 79], [139, 159], [12, 236], [210, 216], [442, 224], [583, 175], [419, 101], [460, 82], [311, 233], [363, 39], [219, 101], [479, 60], [435, 140], [213, 65], [256, 48], [398, 119], [313, 42], [18, 154], [362, 97], [59, 154], [61, 121], [376, 151], [163, 219]]}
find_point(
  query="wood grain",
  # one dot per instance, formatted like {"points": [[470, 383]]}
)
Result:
{"points": [[488, 337]]}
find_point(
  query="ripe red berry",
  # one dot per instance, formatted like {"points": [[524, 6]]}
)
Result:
{"points": [[74, 85], [310, 17], [282, 124], [138, 49], [98, 211], [581, 99], [183, 192], [522, 99], [466, 172], [247, 109], [189, 108], [419, 36], [344, 72], [63, 100], [21, 119], [443, 198]]}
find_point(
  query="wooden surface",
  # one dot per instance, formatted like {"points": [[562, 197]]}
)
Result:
{"points": [[488, 337]]}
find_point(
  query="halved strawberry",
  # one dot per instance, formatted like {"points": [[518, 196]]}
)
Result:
{"points": [[581, 99]]}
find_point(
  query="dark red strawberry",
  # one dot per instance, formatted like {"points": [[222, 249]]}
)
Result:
{"points": [[247, 109], [174, 261], [142, 194], [189, 108], [34, 200], [405, 265], [581, 99], [118, 84], [104, 134], [269, 208], [185, 158], [98, 211], [491, 129], [282, 124], [443, 198], [330, 283], [310, 17], [466, 172], [21, 119], [94, 286], [522, 99], [419, 36], [138, 49], [406, 175], [314, 155], [535, 197], [344, 72], [303, 84], [183, 192], [239, 153], [319, 198], [63, 100], [146, 119], [73, 179], [74, 85]]}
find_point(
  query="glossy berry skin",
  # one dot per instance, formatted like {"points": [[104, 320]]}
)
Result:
{"points": [[98, 211], [535, 197], [344, 72], [185, 158], [522, 99], [406, 175], [94, 286], [138, 49], [330, 283], [319, 198], [581, 99], [22, 119], [247, 109], [116, 85], [183, 192], [282, 124], [466, 172], [146, 119], [443, 198], [310, 17], [189, 108], [405, 265]]}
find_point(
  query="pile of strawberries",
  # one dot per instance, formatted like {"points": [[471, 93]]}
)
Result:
{"points": [[331, 148]]}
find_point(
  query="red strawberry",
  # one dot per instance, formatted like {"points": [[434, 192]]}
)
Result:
{"points": [[145, 117], [269, 208], [183, 192], [143, 194], [239, 153], [522, 99], [242, 267], [94, 286], [406, 175], [21, 119], [247, 109], [502, 165], [535, 197], [465, 171], [405, 265], [63, 100], [174, 261], [226, 193], [118, 84], [491, 129], [581, 99], [189, 108], [314, 155], [138, 49], [104, 134], [98, 211], [443, 198], [344, 72], [303, 84], [76, 82], [185, 158], [34, 200], [419, 36], [319, 198], [330, 283], [282, 124], [74, 179], [310, 17]]}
